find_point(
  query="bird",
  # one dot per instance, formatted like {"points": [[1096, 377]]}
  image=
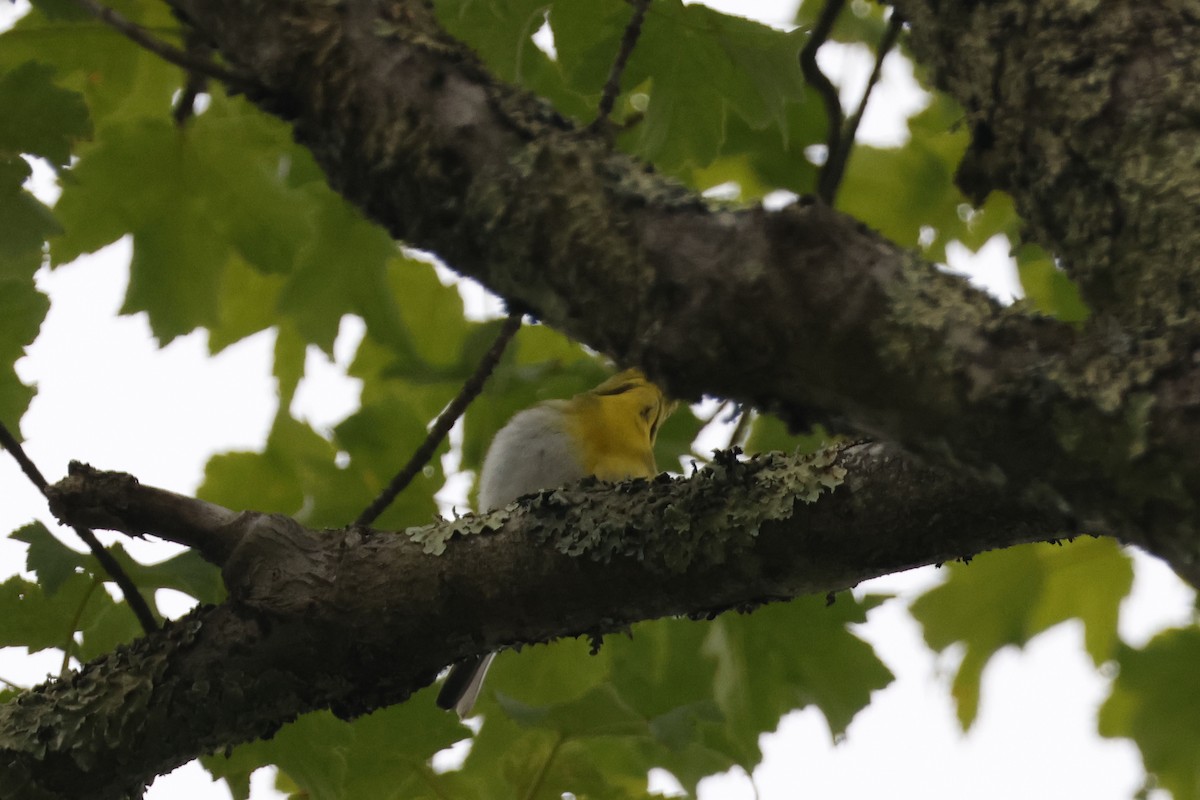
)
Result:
{"points": [[608, 432]]}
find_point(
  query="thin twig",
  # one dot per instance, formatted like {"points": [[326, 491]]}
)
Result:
{"points": [[10, 443], [821, 83], [445, 421], [197, 82], [128, 588], [165, 51], [835, 167], [612, 86]]}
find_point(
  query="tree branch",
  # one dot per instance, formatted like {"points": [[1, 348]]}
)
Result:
{"points": [[826, 182], [835, 167], [1089, 119], [117, 501], [612, 87], [316, 619], [847, 328]]}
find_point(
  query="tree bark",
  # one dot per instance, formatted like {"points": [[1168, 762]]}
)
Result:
{"points": [[317, 619]]}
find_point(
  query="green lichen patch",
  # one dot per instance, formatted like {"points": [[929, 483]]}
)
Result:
{"points": [[672, 523], [433, 538]]}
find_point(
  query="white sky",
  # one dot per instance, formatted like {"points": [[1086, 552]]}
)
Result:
{"points": [[108, 396]]}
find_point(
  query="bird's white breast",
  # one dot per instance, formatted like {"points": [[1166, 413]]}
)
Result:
{"points": [[532, 452]]}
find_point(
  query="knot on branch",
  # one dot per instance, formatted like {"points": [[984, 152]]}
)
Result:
{"points": [[282, 567]]}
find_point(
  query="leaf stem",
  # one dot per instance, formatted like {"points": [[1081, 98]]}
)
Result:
{"points": [[540, 778], [69, 645]]}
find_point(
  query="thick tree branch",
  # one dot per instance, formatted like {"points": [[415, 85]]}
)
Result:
{"points": [[317, 619], [802, 312], [1089, 116]]}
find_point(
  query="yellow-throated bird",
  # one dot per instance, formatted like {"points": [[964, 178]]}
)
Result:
{"points": [[607, 432]]}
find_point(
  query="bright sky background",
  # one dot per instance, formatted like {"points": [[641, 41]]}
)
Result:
{"points": [[108, 396]]}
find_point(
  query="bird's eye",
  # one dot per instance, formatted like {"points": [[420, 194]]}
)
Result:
{"points": [[648, 413]]}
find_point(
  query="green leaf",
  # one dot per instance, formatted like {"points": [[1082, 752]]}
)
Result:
{"points": [[787, 656], [54, 562], [587, 37], [302, 474], [38, 117], [273, 481], [599, 712], [213, 198], [118, 79], [247, 162], [769, 433], [96, 207], [22, 309], [692, 698], [381, 756], [27, 223], [61, 9], [859, 22], [1007, 597], [179, 255], [660, 671], [247, 304], [380, 437], [105, 626], [341, 270], [700, 68], [187, 572], [32, 618], [176, 272], [432, 314], [702, 65], [1153, 702], [902, 191], [543, 676], [501, 32], [761, 160], [290, 354], [1047, 287], [675, 439], [48, 558]]}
